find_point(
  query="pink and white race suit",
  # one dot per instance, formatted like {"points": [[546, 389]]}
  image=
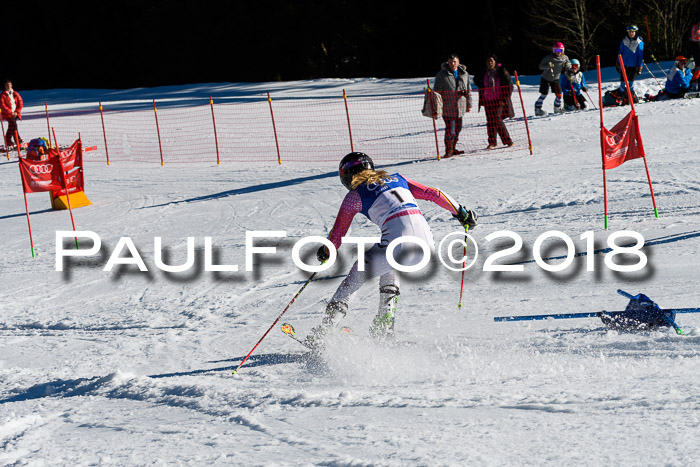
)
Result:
{"points": [[392, 207]]}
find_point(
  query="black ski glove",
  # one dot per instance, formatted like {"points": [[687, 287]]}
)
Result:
{"points": [[466, 217], [323, 254]]}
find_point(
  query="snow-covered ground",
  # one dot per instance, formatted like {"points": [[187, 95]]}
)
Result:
{"points": [[129, 367]]}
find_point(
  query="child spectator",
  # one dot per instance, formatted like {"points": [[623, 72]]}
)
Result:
{"points": [[573, 83], [632, 52], [551, 66]]}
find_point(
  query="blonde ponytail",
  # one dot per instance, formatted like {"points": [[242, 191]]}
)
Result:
{"points": [[368, 177]]}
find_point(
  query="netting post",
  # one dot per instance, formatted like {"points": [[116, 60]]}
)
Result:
{"points": [[274, 129], [104, 133], [522, 104], [432, 108], [160, 144], [216, 138], [347, 113], [48, 123], [4, 140]]}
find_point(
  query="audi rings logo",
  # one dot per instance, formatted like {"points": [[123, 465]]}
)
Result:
{"points": [[41, 169]]}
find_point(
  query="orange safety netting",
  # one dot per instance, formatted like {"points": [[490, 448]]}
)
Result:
{"points": [[268, 130]]}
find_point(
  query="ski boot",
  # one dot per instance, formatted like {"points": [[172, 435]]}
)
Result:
{"points": [[539, 112], [382, 328], [558, 109], [335, 311]]}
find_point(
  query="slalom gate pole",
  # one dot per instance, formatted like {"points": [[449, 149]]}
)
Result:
{"points": [[602, 141], [65, 187], [216, 138], [522, 104], [639, 136], [595, 314], [627, 84], [499, 319], [347, 113], [160, 144], [464, 267], [432, 108], [273, 324], [26, 206], [104, 133], [274, 129], [7, 149], [48, 123], [646, 20]]}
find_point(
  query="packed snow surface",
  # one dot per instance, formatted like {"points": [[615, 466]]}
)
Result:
{"points": [[130, 367]]}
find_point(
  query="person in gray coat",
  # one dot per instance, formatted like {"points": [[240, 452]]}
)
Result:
{"points": [[552, 65], [452, 82]]}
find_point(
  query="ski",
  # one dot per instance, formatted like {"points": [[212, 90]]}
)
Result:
{"points": [[288, 329]]}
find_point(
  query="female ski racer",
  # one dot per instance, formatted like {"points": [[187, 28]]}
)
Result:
{"points": [[388, 201]]}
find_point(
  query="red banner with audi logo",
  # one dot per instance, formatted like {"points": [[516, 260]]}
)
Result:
{"points": [[48, 175], [621, 142]]}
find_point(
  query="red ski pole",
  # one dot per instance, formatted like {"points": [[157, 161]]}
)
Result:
{"points": [[573, 95]]}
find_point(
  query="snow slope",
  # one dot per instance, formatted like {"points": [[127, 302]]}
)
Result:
{"points": [[134, 368]]}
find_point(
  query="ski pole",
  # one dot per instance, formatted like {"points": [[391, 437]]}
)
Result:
{"points": [[464, 267], [589, 98], [652, 74], [278, 318], [657, 63]]}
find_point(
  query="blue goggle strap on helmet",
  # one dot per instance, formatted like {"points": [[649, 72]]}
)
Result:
{"points": [[632, 28]]}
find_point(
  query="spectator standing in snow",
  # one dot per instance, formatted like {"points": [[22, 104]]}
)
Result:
{"points": [[389, 201], [495, 89], [573, 83], [11, 109], [452, 82], [551, 66], [632, 52]]}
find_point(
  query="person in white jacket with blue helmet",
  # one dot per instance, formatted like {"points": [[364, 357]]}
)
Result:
{"points": [[572, 84], [632, 52]]}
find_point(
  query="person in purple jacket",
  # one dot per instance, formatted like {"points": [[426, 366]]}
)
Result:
{"points": [[495, 89]]}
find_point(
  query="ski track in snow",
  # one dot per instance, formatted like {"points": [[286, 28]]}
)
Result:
{"points": [[134, 368]]}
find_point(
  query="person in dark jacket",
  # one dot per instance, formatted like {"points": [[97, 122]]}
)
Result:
{"points": [[551, 66], [452, 82], [11, 109], [495, 90]]}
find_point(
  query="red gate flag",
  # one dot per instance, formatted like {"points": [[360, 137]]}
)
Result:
{"points": [[38, 176], [72, 160], [47, 175], [621, 143]]}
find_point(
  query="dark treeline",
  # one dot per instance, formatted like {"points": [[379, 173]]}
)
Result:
{"points": [[154, 43]]}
